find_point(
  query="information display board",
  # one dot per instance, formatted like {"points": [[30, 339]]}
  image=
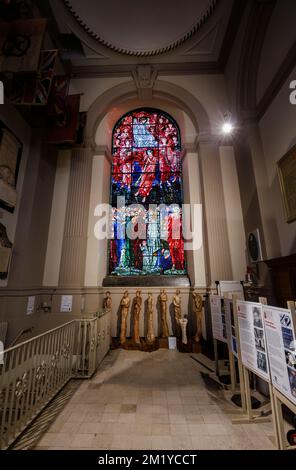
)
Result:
{"points": [[219, 326], [231, 333], [231, 288], [252, 338], [280, 338], [31, 305], [66, 303]]}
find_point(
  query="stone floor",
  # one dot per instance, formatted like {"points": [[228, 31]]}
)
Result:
{"points": [[151, 401]]}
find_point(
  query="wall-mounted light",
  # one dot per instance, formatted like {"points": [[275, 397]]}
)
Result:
{"points": [[227, 126]]}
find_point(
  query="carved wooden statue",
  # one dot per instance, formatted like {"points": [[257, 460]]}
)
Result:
{"points": [[107, 304], [124, 304], [183, 324], [164, 333], [150, 338], [137, 311], [177, 310], [197, 301]]}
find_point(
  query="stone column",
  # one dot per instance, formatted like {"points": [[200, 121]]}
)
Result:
{"points": [[76, 222], [219, 257], [234, 213], [193, 195], [97, 250], [57, 220]]}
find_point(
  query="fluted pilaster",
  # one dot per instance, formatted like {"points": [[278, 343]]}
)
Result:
{"points": [[76, 223], [219, 257]]}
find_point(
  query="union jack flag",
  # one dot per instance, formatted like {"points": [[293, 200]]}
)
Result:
{"points": [[34, 90]]}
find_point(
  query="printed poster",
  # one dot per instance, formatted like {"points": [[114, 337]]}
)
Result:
{"points": [[231, 288], [252, 338], [280, 337], [31, 305], [219, 326], [66, 303], [231, 332]]}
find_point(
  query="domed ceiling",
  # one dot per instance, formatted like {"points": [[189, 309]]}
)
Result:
{"points": [[138, 27], [103, 37]]}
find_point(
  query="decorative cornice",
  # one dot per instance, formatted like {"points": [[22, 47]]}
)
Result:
{"points": [[104, 151], [258, 21], [149, 53], [278, 81]]}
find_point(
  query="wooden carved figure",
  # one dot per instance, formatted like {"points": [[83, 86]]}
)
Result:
{"points": [[124, 304], [150, 338], [163, 312], [137, 312], [177, 310], [197, 301]]}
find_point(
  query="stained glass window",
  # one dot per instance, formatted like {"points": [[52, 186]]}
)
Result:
{"points": [[146, 224]]}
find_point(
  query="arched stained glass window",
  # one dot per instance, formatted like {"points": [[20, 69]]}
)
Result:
{"points": [[146, 196]]}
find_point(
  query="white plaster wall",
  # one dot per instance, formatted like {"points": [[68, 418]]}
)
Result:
{"points": [[211, 93], [278, 135], [91, 88]]}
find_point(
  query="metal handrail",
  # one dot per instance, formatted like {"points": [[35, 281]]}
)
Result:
{"points": [[38, 336], [21, 333], [34, 371]]}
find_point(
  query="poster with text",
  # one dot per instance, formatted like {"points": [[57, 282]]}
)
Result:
{"points": [[280, 338], [66, 303], [231, 332], [231, 288], [218, 318], [252, 338]]}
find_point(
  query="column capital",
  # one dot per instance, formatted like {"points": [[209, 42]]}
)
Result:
{"points": [[103, 150], [207, 138]]}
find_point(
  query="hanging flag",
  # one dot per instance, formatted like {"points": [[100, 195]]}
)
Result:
{"points": [[62, 128], [58, 94], [81, 128], [20, 45], [35, 90]]}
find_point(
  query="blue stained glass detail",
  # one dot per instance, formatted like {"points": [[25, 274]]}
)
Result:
{"points": [[143, 137]]}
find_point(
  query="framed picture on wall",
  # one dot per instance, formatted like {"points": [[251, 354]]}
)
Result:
{"points": [[10, 156], [287, 177]]}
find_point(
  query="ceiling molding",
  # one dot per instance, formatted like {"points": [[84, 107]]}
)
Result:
{"points": [[277, 82], [234, 23], [258, 20], [93, 71], [148, 53]]}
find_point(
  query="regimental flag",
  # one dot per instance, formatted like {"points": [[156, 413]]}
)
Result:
{"points": [[35, 90], [58, 94], [62, 128], [81, 128], [20, 45]]}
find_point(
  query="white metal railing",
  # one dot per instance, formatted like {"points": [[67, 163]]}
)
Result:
{"points": [[34, 371]]}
